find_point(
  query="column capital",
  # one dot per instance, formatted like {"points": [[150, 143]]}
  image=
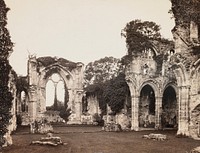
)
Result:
{"points": [[185, 87]]}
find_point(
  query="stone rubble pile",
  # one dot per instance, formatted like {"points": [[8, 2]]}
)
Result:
{"points": [[112, 127], [49, 140], [159, 137], [195, 150]]}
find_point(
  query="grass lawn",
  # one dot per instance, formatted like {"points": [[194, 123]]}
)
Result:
{"points": [[88, 139]]}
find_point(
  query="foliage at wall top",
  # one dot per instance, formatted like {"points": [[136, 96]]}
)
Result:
{"points": [[138, 35], [48, 60]]}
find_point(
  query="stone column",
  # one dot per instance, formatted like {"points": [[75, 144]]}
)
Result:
{"points": [[78, 105], [42, 99], [158, 112], [33, 90], [135, 110], [32, 106], [183, 102]]}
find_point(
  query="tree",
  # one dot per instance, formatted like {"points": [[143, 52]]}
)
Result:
{"points": [[5, 69], [116, 93], [97, 74], [102, 70], [139, 34]]}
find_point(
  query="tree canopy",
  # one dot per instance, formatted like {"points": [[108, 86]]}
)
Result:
{"points": [[102, 70], [139, 34], [116, 93]]}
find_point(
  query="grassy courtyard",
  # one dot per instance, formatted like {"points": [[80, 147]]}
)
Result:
{"points": [[88, 139]]}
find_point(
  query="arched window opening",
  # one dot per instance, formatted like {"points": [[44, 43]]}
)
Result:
{"points": [[169, 107], [24, 105], [55, 91], [147, 107]]}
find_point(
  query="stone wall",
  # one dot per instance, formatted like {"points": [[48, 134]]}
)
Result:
{"points": [[13, 89], [40, 70], [93, 105]]}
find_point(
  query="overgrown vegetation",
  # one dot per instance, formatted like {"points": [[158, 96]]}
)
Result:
{"points": [[98, 74], [102, 70], [114, 92], [142, 36], [48, 60], [139, 35], [185, 11], [5, 69]]}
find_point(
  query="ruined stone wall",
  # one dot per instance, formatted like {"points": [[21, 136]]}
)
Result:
{"points": [[39, 72], [93, 106], [143, 71], [185, 66], [13, 89]]}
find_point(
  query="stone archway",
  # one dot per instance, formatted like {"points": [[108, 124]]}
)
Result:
{"points": [[39, 71], [169, 108], [147, 107]]}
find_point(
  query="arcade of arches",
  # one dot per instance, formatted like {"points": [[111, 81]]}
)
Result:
{"points": [[163, 95]]}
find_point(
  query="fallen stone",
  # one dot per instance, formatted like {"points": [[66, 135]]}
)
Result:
{"points": [[44, 143], [112, 127], [56, 140], [195, 150], [49, 140], [159, 137]]}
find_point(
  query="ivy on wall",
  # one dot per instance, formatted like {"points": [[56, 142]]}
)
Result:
{"points": [[5, 69], [48, 60], [185, 11]]}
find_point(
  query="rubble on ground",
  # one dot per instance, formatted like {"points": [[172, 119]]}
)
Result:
{"points": [[159, 137], [49, 140]]}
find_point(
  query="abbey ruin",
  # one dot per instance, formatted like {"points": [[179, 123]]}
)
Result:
{"points": [[164, 94]]}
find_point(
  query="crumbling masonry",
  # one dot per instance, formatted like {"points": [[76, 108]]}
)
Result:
{"points": [[39, 72], [170, 97]]}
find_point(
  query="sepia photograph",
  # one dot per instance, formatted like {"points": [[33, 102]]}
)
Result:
{"points": [[99, 76]]}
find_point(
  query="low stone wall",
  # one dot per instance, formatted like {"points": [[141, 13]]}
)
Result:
{"points": [[124, 121], [86, 119], [112, 127]]}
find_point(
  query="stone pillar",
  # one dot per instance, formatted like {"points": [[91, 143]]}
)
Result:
{"points": [[33, 90], [183, 103], [78, 105], [158, 112], [135, 111], [42, 99], [32, 106]]}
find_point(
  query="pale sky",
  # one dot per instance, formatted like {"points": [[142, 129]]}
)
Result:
{"points": [[78, 30]]}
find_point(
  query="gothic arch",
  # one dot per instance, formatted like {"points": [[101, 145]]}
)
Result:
{"points": [[147, 107], [132, 86], [39, 71], [47, 72], [180, 74], [169, 117], [195, 85], [170, 84], [154, 84], [195, 68]]}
